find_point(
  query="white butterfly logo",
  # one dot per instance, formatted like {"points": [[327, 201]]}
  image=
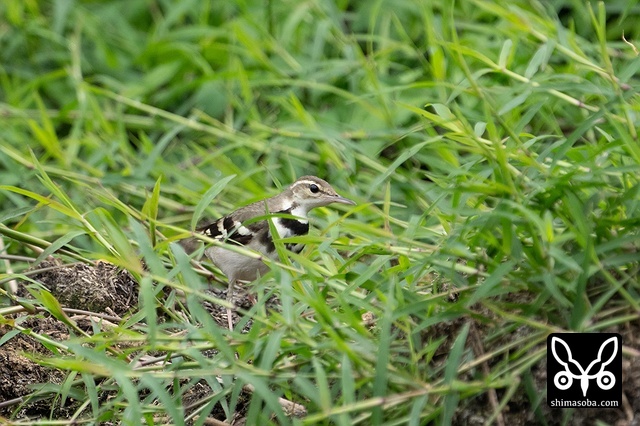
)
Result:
{"points": [[564, 379]]}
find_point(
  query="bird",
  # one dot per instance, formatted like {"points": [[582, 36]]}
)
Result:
{"points": [[249, 227]]}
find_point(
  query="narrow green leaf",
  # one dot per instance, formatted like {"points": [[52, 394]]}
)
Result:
{"points": [[66, 387], [92, 391], [29, 239], [505, 52], [452, 398], [144, 168], [57, 244], [10, 214], [322, 384], [348, 385], [514, 102], [553, 289], [53, 187], [211, 193], [539, 59], [43, 200], [417, 410], [384, 351], [148, 305], [150, 210], [52, 305], [263, 392], [151, 258], [122, 248], [486, 287], [548, 226], [8, 335], [404, 156], [272, 350], [157, 387]]}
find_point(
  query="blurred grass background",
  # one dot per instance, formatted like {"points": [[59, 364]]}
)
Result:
{"points": [[491, 146]]}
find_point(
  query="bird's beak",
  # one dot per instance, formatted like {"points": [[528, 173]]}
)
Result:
{"points": [[342, 200]]}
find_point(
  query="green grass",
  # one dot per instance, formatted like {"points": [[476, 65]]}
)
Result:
{"points": [[491, 146]]}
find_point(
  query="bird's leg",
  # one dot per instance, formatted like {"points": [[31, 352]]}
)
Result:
{"points": [[230, 300]]}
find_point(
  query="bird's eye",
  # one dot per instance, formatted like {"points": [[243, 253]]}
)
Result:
{"points": [[314, 188]]}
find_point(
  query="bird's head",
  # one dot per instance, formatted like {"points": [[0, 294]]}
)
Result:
{"points": [[310, 192]]}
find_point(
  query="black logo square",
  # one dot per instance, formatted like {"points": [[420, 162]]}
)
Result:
{"points": [[584, 370]]}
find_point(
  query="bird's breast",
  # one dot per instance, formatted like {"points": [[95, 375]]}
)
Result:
{"points": [[288, 227]]}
